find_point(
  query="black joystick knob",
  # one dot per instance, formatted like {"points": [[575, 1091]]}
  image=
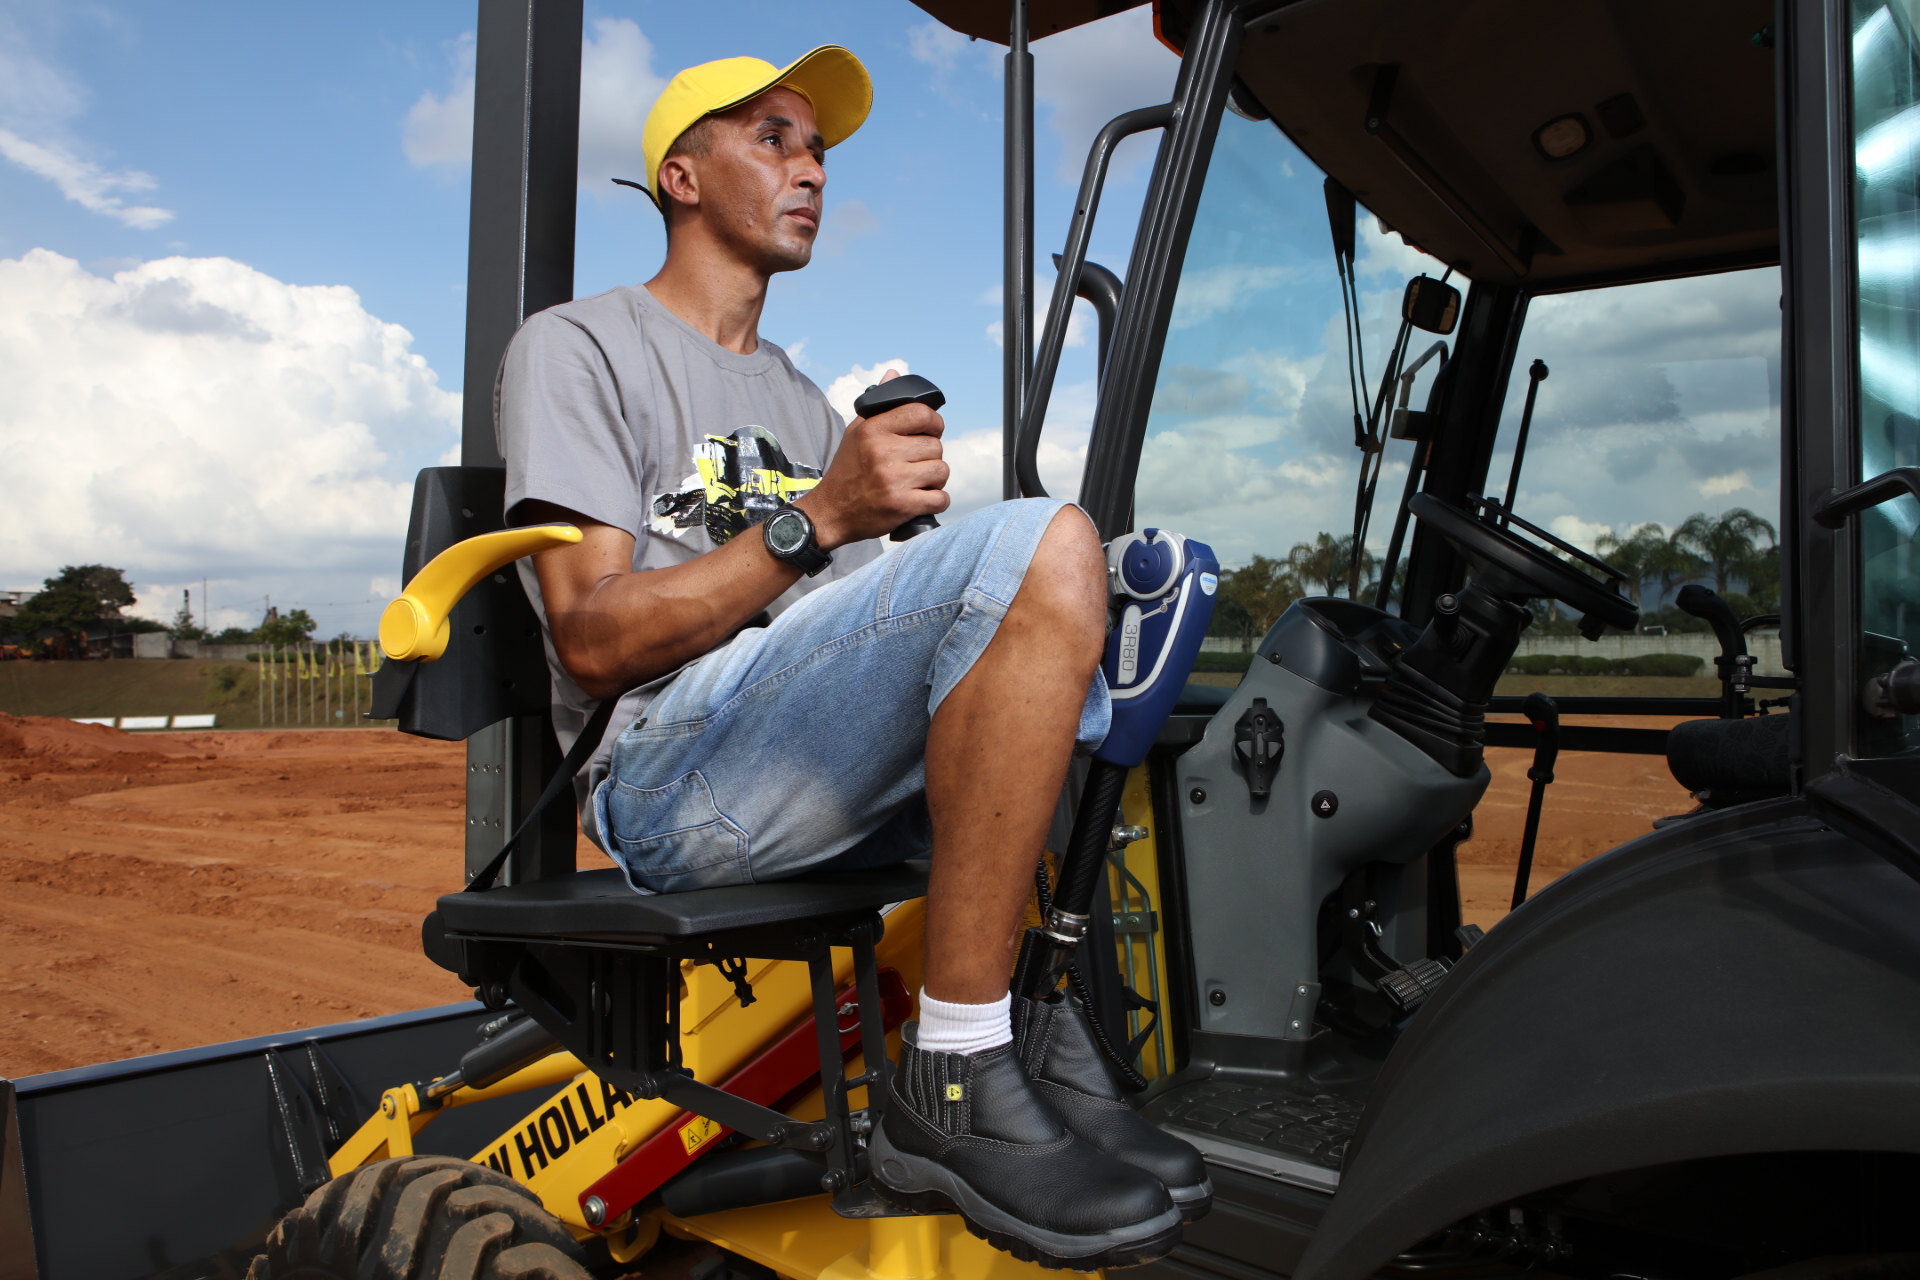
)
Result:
{"points": [[908, 388]]}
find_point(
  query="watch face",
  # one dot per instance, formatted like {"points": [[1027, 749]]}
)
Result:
{"points": [[787, 532]]}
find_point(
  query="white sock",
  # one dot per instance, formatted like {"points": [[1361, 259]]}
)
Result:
{"points": [[964, 1028]]}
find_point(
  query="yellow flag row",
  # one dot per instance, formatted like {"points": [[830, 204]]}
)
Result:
{"points": [[305, 664]]}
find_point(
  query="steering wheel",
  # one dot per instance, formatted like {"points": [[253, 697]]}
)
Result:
{"points": [[1490, 546]]}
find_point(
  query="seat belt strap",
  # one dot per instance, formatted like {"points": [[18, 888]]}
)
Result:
{"points": [[562, 780]]}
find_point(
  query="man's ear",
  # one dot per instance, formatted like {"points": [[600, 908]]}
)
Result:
{"points": [[677, 182]]}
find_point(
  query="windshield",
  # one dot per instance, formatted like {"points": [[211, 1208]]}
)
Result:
{"points": [[1655, 441], [1250, 438]]}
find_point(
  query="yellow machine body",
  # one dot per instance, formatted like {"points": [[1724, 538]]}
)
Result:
{"points": [[802, 1239]]}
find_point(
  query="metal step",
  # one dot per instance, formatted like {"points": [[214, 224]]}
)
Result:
{"points": [[1295, 1133]]}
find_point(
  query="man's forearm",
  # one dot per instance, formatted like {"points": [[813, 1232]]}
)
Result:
{"points": [[634, 626], [615, 628]]}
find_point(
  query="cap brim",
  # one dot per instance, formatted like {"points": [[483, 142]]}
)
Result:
{"points": [[834, 82]]}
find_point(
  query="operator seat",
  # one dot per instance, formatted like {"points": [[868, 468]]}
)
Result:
{"points": [[1729, 762], [592, 961]]}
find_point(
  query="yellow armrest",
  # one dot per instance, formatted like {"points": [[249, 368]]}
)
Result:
{"points": [[414, 627]]}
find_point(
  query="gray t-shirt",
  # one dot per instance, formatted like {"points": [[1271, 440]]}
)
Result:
{"points": [[614, 407]]}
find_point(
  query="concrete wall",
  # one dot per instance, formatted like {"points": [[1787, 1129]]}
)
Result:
{"points": [[1765, 648], [158, 644]]}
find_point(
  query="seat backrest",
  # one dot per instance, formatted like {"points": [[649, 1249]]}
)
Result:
{"points": [[494, 666]]}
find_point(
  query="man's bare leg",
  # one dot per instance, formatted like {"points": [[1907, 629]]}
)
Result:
{"points": [[966, 1129], [997, 756]]}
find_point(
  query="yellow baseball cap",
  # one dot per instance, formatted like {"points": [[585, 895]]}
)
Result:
{"points": [[829, 77]]}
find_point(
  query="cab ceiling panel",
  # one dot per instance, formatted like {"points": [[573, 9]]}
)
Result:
{"points": [[1537, 143], [993, 19]]}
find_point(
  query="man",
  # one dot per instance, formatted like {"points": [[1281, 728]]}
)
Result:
{"points": [[933, 694]]}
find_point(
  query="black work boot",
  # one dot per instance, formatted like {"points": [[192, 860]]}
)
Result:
{"points": [[1055, 1041], [966, 1133]]}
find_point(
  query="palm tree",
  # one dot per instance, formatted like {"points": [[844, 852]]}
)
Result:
{"points": [[1259, 592], [1672, 564], [1327, 561], [1638, 556], [1727, 542]]}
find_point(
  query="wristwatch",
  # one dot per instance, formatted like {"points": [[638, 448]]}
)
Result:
{"points": [[789, 536]]}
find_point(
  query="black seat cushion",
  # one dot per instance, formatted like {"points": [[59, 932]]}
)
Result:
{"points": [[1733, 760], [601, 904]]}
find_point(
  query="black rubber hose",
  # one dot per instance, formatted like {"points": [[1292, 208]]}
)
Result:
{"points": [[1086, 858]]}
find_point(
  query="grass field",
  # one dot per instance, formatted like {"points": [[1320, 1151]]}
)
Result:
{"points": [[165, 687]]}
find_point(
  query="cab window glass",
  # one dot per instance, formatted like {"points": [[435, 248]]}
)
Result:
{"points": [[1655, 444], [1250, 438], [1886, 123]]}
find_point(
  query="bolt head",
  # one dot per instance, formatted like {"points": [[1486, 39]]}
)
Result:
{"points": [[386, 1107], [594, 1210], [1197, 795], [1216, 997]]}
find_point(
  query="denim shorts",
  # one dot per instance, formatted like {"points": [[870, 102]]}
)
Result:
{"points": [[803, 744]]}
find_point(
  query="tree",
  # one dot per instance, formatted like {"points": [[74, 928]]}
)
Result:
{"points": [[1727, 542], [78, 599], [1673, 564], [1253, 597], [1638, 556], [184, 627], [296, 627], [1326, 561]]}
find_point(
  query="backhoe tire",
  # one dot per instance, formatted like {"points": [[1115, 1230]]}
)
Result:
{"points": [[420, 1218]]}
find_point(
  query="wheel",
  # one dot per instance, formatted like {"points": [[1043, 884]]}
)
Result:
{"points": [[420, 1218]]}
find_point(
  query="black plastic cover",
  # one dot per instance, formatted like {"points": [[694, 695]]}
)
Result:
{"points": [[1740, 982], [494, 666]]}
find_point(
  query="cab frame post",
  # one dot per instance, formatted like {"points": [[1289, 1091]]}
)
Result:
{"points": [[526, 148]]}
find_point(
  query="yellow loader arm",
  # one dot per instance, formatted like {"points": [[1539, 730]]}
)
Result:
{"points": [[414, 627]]}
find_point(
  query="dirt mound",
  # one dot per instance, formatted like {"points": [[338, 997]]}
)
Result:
{"points": [[24, 737]]}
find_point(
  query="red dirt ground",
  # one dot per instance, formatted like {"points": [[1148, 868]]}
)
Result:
{"points": [[164, 891]]}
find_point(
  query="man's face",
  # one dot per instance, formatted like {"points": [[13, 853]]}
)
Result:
{"points": [[760, 181]]}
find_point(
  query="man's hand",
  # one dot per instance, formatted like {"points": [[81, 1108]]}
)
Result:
{"points": [[888, 470]]}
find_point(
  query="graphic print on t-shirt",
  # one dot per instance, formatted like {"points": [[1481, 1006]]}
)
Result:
{"points": [[742, 479]]}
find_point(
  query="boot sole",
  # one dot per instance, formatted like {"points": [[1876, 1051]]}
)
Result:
{"points": [[1194, 1201], [929, 1187]]}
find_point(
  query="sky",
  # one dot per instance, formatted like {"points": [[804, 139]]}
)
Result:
{"points": [[233, 258]]}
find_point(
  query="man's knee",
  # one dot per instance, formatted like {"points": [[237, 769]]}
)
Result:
{"points": [[1068, 573]]}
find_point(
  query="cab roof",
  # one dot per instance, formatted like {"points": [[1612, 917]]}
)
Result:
{"points": [[1549, 145]]}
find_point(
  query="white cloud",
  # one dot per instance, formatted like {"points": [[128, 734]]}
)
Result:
{"points": [[438, 128], [38, 100], [84, 182], [618, 86], [1088, 75], [974, 457], [845, 389], [1721, 486], [195, 416], [1209, 292], [937, 45]]}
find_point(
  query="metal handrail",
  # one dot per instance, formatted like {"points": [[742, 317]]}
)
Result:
{"points": [[1834, 507], [1060, 309]]}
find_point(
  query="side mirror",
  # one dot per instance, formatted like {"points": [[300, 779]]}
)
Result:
{"points": [[1431, 305]]}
